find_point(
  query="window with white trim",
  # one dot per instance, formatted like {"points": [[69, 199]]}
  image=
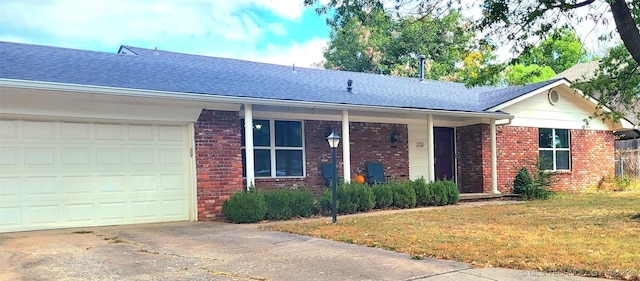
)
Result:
{"points": [[278, 148], [554, 149]]}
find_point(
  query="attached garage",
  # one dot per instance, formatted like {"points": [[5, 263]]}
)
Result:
{"points": [[66, 174]]}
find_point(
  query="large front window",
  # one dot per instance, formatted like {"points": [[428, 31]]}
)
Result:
{"points": [[277, 148], [554, 149]]}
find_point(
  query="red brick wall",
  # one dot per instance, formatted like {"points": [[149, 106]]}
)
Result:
{"points": [[592, 157], [218, 161], [517, 147], [469, 147], [369, 142]]}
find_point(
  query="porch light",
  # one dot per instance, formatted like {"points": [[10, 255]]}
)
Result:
{"points": [[334, 141], [395, 135]]}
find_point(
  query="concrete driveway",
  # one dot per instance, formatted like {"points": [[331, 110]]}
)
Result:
{"points": [[217, 251]]}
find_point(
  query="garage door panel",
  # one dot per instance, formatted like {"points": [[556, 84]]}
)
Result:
{"points": [[171, 133], [111, 186], [41, 188], [42, 214], [75, 131], [142, 157], [112, 211], [9, 129], [40, 157], [172, 157], [70, 174], [141, 132], [39, 130], [79, 214], [110, 157], [9, 157], [145, 210], [10, 189], [173, 208], [82, 187], [109, 132], [74, 157]]}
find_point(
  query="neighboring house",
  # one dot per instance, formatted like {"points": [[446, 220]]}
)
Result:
{"points": [[139, 136]]}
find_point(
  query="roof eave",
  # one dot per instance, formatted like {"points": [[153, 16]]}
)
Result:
{"points": [[528, 95], [103, 90]]}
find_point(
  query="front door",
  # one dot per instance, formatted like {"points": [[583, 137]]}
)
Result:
{"points": [[444, 153]]}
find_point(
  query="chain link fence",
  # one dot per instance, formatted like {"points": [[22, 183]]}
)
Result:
{"points": [[628, 160]]}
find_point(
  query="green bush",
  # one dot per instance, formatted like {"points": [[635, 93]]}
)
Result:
{"points": [[303, 203], [245, 207], [423, 193], [439, 193], [536, 186], [352, 198], [279, 204], [383, 195], [521, 181], [324, 202], [453, 192], [404, 196]]}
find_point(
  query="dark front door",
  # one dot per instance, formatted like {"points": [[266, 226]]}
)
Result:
{"points": [[444, 153]]}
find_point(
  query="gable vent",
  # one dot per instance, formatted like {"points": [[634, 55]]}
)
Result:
{"points": [[554, 97]]}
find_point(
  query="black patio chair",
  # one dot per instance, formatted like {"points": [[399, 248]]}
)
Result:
{"points": [[375, 173]]}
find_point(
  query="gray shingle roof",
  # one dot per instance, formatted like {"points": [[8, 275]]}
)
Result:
{"points": [[185, 73]]}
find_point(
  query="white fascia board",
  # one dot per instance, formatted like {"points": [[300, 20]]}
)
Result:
{"points": [[102, 90], [530, 94]]}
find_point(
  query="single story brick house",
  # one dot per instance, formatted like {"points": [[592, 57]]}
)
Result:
{"points": [[139, 135]]}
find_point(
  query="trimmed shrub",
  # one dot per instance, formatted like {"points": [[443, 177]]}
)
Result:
{"points": [[453, 195], [279, 204], [521, 181], [302, 203], [439, 193], [404, 196], [352, 198], [245, 207], [383, 195], [423, 193], [324, 202]]}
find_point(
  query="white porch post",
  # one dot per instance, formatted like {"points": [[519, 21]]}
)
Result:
{"points": [[248, 144], [346, 150], [494, 159], [431, 172]]}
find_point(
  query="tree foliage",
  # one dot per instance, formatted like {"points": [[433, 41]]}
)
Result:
{"points": [[522, 24], [561, 50], [521, 74], [616, 84], [371, 40]]}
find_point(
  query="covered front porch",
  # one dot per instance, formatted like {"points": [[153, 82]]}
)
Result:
{"points": [[430, 144]]}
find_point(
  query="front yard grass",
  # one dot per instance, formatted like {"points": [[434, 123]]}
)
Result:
{"points": [[594, 235]]}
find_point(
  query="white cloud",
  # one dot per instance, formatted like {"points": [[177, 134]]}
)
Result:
{"points": [[303, 54], [277, 28], [223, 28]]}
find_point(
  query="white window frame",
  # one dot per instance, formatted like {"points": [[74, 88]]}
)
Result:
{"points": [[273, 148], [554, 149]]}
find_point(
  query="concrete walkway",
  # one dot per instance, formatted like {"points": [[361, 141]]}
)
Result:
{"points": [[218, 251]]}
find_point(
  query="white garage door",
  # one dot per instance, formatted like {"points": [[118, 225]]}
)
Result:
{"points": [[69, 174]]}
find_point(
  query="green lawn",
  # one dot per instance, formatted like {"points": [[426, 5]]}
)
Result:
{"points": [[587, 234]]}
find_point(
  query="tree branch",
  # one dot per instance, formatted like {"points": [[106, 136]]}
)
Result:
{"points": [[627, 28]]}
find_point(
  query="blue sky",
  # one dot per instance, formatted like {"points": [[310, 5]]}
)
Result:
{"points": [[274, 31]]}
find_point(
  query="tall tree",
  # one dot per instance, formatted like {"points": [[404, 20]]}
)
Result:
{"points": [[523, 23], [559, 51], [372, 40]]}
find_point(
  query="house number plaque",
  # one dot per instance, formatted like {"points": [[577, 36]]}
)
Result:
{"points": [[419, 144]]}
